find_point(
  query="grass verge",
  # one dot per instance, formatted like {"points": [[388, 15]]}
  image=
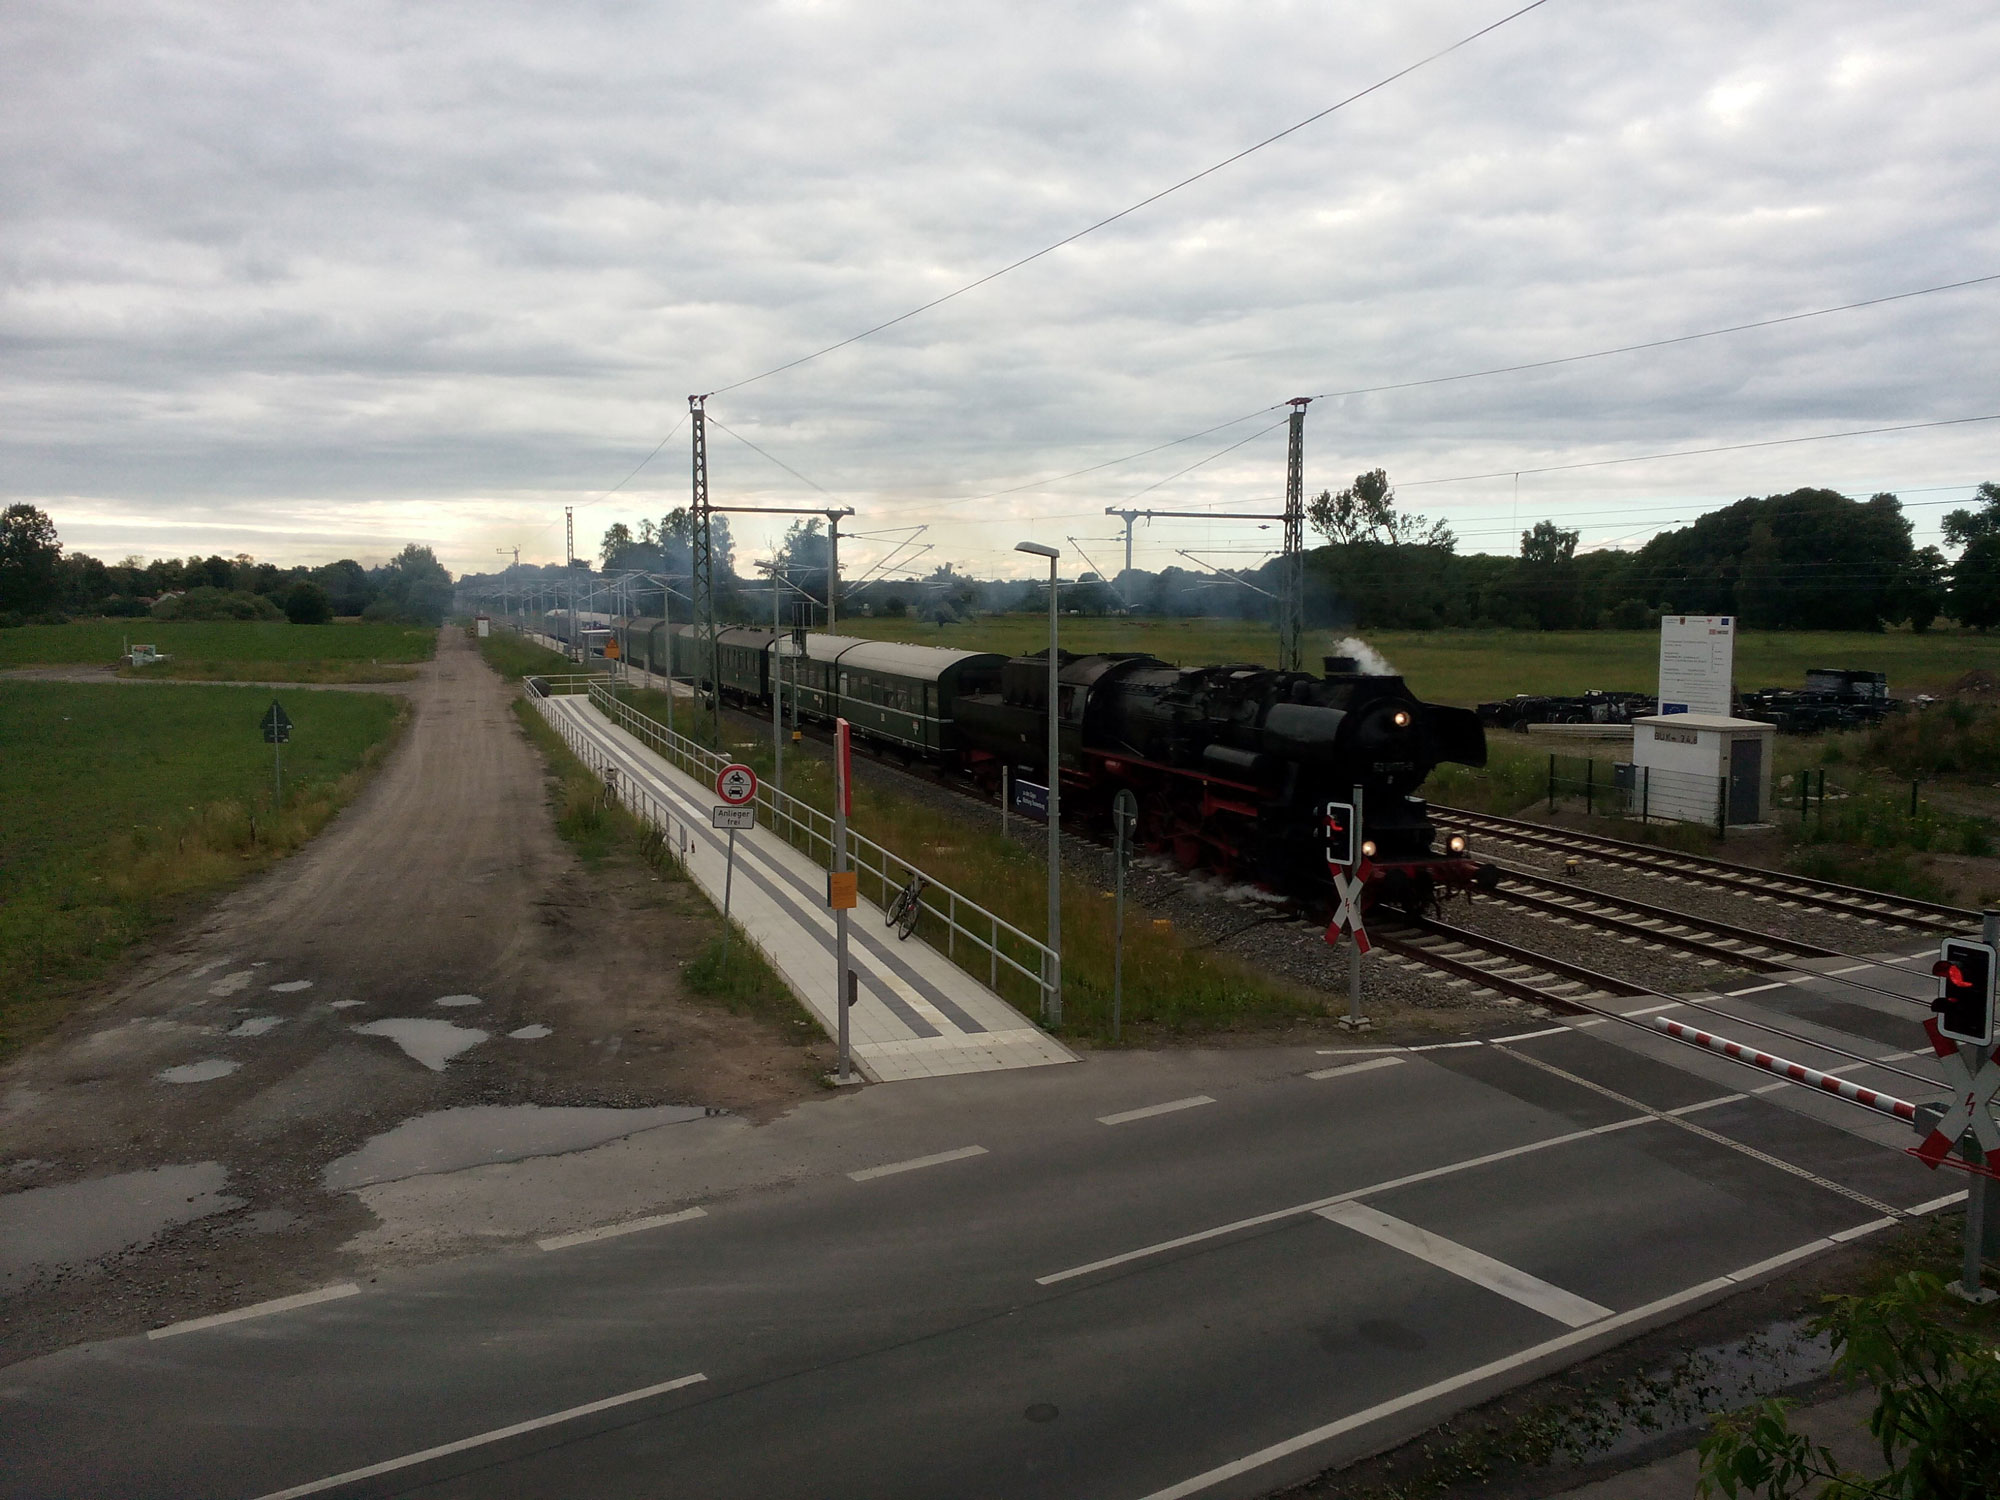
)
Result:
{"points": [[600, 829], [273, 671], [117, 807], [514, 657]]}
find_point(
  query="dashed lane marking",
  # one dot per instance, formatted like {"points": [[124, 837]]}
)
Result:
{"points": [[255, 1310], [868, 1174], [1172, 1106], [1468, 1264], [612, 1231], [498, 1434]]}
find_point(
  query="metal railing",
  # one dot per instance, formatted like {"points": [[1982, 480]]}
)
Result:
{"points": [[1017, 967]]}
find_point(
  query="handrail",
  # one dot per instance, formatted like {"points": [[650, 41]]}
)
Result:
{"points": [[1011, 954]]}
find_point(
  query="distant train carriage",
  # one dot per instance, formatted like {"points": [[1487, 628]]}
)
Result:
{"points": [[906, 695]]}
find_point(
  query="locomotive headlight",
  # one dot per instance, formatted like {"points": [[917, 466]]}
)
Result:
{"points": [[1456, 843], [1401, 719], [1368, 848]]}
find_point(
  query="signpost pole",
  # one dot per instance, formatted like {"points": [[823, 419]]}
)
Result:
{"points": [[728, 885], [1354, 899], [1124, 813], [1977, 1229], [841, 771], [1006, 792]]}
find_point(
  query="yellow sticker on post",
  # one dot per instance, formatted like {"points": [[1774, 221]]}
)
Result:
{"points": [[843, 890]]}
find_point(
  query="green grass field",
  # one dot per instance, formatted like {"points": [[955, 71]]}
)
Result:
{"points": [[1471, 666], [238, 650], [116, 803]]}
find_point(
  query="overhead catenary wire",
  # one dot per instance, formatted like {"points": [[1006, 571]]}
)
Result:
{"points": [[1146, 202]]}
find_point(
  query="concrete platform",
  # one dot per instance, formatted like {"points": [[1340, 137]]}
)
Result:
{"points": [[919, 1015]]}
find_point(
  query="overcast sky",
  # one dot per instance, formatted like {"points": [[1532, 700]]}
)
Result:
{"points": [[311, 281]]}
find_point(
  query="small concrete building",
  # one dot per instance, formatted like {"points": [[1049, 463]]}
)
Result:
{"points": [[1687, 766]]}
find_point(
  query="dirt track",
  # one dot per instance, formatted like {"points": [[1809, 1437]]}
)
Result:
{"points": [[444, 879]]}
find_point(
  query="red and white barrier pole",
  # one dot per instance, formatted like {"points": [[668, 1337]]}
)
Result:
{"points": [[1797, 1072]]}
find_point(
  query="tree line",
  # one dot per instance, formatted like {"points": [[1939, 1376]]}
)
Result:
{"points": [[41, 581]]}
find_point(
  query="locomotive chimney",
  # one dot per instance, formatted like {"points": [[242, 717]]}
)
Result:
{"points": [[1342, 666]]}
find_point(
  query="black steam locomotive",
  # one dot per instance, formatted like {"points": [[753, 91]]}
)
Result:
{"points": [[1233, 766]]}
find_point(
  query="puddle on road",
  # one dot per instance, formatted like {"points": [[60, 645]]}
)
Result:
{"points": [[206, 1071], [345, 1004], [255, 1026], [532, 1033], [229, 984], [432, 1043], [46, 1229], [480, 1134], [459, 1000], [291, 986]]}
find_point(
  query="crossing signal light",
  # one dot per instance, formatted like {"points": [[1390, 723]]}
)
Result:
{"points": [[1340, 833], [1964, 1004]]}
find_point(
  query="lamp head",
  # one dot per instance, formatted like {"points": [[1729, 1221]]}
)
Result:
{"points": [[1038, 549]]}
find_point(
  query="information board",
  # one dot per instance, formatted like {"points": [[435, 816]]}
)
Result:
{"points": [[1697, 664]]}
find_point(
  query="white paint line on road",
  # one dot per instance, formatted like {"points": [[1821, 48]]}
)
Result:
{"points": [[612, 1231], [1715, 1103], [1445, 1046], [1758, 989], [1352, 1051], [256, 1310], [1172, 1106], [1360, 1067], [1652, 1010], [1529, 1036], [1938, 1203], [1258, 1220], [869, 1173], [445, 1450], [1468, 1264], [1850, 969], [1637, 1317]]}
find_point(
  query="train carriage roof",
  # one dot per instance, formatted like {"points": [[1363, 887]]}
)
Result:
{"points": [[892, 658]]}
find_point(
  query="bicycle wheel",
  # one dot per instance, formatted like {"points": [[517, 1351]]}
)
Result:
{"points": [[906, 922]]}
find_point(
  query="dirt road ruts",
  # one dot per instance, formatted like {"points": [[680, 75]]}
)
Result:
{"points": [[442, 897]]}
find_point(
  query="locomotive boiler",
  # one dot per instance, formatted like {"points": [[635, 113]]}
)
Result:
{"points": [[1233, 766]]}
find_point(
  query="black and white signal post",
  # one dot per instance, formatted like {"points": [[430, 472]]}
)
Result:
{"points": [[736, 785], [1346, 853], [1964, 1132]]}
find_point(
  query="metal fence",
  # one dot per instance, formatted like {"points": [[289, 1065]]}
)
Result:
{"points": [[1622, 790], [1013, 965]]}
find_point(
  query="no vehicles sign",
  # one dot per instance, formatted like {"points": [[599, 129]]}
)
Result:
{"points": [[736, 785]]}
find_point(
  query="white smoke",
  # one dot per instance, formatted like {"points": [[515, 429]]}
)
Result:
{"points": [[1371, 661]]}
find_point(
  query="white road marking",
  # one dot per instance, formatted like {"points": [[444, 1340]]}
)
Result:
{"points": [[444, 1450], [1360, 1067], [1717, 1103], [1529, 1036], [1652, 1312], [1851, 969], [1652, 1010], [1445, 1046], [868, 1173], [1758, 989], [612, 1231], [256, 1310], [1352, 1051], [1172, 1106], [1317, 1204], [1468, 1264]]}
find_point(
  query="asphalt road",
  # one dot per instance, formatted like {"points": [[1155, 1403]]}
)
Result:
{"points": [[1209, 1299]]}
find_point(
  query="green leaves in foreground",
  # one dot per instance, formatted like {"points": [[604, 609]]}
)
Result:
{"points": [[1937, 1410]]}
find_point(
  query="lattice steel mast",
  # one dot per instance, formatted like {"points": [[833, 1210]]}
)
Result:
{"points": [[701, 552], [1292, 567]]}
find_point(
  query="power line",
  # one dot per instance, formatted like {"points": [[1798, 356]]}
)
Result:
{"points": [[1684, 338], [1145, 202], [1640, 458], [760, 452]]}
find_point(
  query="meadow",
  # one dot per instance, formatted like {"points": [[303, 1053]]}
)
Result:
{"points": [[230, 650], [1472, 666], [119, 803]]}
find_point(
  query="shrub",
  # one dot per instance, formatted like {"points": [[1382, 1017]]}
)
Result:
{"points": [[216, 604], [308, 604]]}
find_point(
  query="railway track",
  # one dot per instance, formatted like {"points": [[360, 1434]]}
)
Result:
{"points": [[1877, 907]]}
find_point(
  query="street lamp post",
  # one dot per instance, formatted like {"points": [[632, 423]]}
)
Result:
{"points": [[1055, 795]]}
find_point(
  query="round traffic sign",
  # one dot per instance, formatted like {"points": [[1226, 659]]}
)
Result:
{"points": [[736, 785]]}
